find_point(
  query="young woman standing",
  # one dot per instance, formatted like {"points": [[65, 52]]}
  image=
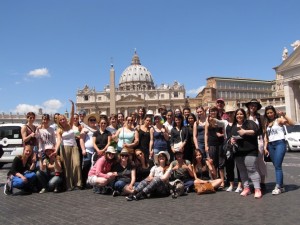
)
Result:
{"points": [[275, 142]]}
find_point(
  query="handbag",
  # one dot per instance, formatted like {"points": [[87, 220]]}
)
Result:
{"points": [[176, 188], [179, 144], [205, 188], [267, 158]]}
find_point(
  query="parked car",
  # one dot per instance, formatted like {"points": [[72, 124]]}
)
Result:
{"points": [[292, 137], [11, 141]]}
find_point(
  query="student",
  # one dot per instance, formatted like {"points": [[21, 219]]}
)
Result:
{"points": [[21, 174], [275, 143]]}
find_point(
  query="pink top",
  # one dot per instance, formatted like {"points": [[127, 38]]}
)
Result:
{"points": [[101, 168]]}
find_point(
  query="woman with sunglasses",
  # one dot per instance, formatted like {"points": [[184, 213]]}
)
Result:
{"points": [[275, 143], [126, 175], [100, 175], [87, 145], [66, 142], [127, 136]]}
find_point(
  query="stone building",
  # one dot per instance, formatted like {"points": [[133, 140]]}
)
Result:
{"points": [[136, 88], [289, 73], [234, 91]]}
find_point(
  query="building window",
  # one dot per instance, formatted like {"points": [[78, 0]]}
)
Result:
{"points": [[99, 98], [162, 96], [86, 98], [175, 94]]}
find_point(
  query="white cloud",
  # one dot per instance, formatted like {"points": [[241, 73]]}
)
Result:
{"points": [[37, 73], [194, 92], [24, 108], [50, 106]]}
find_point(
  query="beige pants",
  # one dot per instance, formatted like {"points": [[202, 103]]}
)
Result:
{"points": [[261, 164], [71, 161]]}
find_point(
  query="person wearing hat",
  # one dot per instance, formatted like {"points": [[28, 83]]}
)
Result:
{"points": [[86, 144], [49, 174], [101, 173], [126, 175], [157, 181], [253, 106], [230, 161]]}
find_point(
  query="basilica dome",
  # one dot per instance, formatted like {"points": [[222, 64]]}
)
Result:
{"points": [[136, 76]]}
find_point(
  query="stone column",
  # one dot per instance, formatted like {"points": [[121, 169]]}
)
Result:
{"points": [[112, 90], [290, 100]]}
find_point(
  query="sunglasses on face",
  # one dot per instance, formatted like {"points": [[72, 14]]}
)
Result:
{"points": [[124, 156], [92, 120]]}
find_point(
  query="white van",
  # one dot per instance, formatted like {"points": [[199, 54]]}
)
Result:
{"points": [[11, 141]]}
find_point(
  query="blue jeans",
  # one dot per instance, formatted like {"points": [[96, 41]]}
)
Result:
{"points": [[119, 185], [277, 151], [17, 182], [49, 181]]}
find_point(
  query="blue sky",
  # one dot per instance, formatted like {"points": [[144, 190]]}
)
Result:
{"points": [[50, 49]]}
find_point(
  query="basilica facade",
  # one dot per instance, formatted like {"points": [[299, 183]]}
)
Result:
{"points": [[136, 88]]}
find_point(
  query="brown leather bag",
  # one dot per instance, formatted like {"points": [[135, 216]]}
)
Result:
{"points": [[204, 188]]}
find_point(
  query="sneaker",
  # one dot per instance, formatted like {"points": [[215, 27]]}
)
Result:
{"points": [[139, 196], [115, 193], [238, 190], [44, 190], [229, 189], [56, 190], [246, 192], [278, 191], [7, 190], [130, 197], [257, 193], [97, 190]]}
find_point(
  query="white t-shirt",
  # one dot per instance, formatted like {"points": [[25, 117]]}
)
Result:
{"points": [[46, 139], [275, 132]]}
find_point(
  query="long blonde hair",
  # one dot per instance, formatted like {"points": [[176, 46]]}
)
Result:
{"points": [[67, 127]]}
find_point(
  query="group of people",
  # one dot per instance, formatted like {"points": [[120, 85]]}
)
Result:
{"points": [[145, 154]]}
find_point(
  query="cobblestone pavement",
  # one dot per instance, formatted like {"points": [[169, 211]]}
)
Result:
{"points": [[85, 207]]}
